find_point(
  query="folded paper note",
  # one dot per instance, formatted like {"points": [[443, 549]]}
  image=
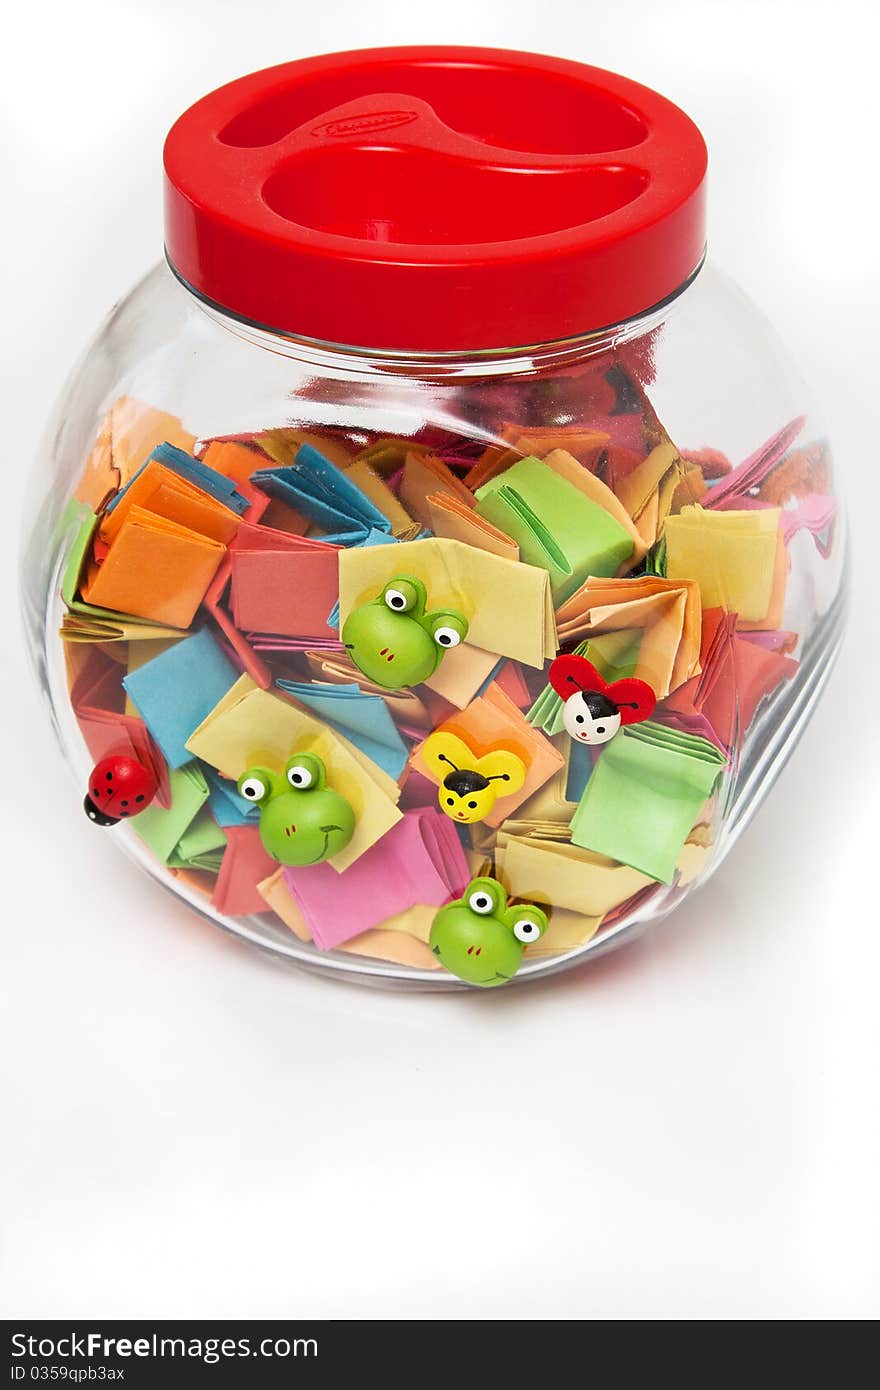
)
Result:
{"points": [[663, 613], [193, 471], [426, 480], [459, 521], [374, 487], [731, 555], [251, 725], [644, 796], [585, 446], [566, 876], [175, 691], [162, 491], [556, 525], [508, 605], [419, 861], [742, 480], [738, 672], [201, 846], [161, 830], [154, 569], [364, 719], [281, 583], [327, 496], [244, 864]]}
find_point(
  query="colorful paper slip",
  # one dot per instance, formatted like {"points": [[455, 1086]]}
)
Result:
{"points": [[364, 719], [322, 492], [419, 861], [508, 605], [555, 524], [644, 796], [732, 556], [252, 725], [161, 830], [175, 691], [282, 584], [664, 613]]}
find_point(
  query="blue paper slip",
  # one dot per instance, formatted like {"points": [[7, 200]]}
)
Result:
{"points": [[174, 692], [580, 767], [215, 484], [365, 720], [316, 488], [373, 538], [227, 807]]}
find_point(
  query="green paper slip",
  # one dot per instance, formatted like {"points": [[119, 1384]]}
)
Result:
{"points": [[655, 560], [161, 831], [556, 526], [201, 846], [644, 796], [614, 655], [81, 519]]}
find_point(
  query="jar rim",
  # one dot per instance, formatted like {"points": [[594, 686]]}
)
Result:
{"points": [[454, 361]]}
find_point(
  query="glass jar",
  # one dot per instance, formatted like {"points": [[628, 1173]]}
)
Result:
{"points": [[610, 566]]}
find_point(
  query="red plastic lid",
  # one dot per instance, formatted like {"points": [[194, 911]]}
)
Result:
{"points": [[435, 199]]}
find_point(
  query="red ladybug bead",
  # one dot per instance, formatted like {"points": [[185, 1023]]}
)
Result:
{"points": [[119, 788]]}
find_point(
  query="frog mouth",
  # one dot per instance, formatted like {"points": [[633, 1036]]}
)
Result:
{"points": [[322, 853]]}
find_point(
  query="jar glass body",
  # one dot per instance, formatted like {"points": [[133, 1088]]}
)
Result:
{"points": [[705, 369]]}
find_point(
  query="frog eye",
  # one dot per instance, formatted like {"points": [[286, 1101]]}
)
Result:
{"points": [[527, 929], [448, 629], [300, 776], [253, 787], [401, 596], [481, 902]]}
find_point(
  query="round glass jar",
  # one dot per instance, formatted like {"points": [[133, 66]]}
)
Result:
{"points": [[610, 567]]}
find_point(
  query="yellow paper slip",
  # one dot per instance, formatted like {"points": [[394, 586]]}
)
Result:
{"points": [[731, 555], [647, 492], [508, 605], [566, 932], [78, 627], [667, 613], [252, 726], [567, 876]]}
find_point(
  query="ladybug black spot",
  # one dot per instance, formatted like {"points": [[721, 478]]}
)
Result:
{"points": [[139, 798], [123, 813], [109, 776], [125, 803]]}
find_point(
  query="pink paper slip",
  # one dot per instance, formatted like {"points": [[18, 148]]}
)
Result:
{"points": [[419, 861]]}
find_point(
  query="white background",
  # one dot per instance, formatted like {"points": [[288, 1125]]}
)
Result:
{"points": [[687, 1130]]}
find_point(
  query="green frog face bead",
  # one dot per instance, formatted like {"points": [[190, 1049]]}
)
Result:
{"points": [[302, 820], [480, 939], [394, 641]]}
